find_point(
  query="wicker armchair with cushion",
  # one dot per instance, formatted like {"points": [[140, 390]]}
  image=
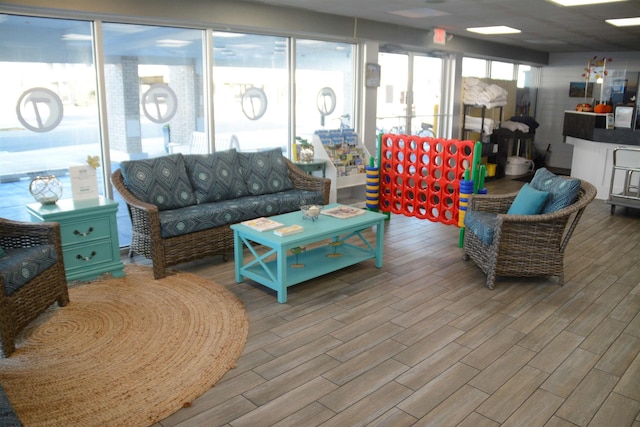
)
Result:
{"points": [[527, 238], [31, 274]]}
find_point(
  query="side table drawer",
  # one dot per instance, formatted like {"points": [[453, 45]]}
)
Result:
{"points": [[87, 256], [83, 231]]}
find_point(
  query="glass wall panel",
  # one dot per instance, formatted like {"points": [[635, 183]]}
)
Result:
{"points": [[325, 89], [427, 89], [409, 94], [251, 92], [527, 91], [155, 105], [392, 93], [48, 109]]}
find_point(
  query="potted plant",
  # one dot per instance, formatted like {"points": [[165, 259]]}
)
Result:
{"points": [[305, 150]]}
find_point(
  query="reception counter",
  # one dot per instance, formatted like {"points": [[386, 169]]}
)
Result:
{"points": [[593, 147]]}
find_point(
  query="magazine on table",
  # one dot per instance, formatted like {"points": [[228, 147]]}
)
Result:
{"points": [[262, 224], [343, 212]]}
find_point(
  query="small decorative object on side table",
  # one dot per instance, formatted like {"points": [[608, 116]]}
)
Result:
{"points": [[89, 235], [46, 189]]}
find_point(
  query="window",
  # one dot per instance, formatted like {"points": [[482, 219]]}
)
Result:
{"points": [[325, 91], [474, 67], [48, 112], [502, 70], [251, 92]]}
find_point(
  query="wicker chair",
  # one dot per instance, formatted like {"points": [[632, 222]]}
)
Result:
{"points": [[146, 236], [28, 301], [524, 245]]}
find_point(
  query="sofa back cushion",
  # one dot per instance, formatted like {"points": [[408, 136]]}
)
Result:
{"points": [[162, 181], [216, 176], [562, 191], [265, 172]]}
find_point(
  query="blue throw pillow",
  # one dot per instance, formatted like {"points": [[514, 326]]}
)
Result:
{"points": [[265, 172], [215, 176], [162, 181], [529, 201], [562, 191]]}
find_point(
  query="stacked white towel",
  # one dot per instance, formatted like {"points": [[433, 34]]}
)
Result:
{"points": [[477, 92], [475, 123], [514, 126]]}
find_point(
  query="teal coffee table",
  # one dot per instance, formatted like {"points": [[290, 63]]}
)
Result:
{"points": [[272, 263]]}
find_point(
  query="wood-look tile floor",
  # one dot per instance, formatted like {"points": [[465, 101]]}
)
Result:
{"points": [[422, 341]]}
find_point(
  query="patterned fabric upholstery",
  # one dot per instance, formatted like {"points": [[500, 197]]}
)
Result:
{"points": [[8, 417], [201, 217], [162, 181], [19, 266], [265, 172], [562, 191], [482, 224], [216, 176], [2, 253]]}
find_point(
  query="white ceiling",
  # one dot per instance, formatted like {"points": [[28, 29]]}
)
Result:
{"points": [[545, 26]]}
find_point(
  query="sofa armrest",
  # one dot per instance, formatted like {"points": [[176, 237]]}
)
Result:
{"points": [[145, 217], [304, 181]]}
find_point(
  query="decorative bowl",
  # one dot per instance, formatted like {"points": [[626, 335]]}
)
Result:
{"points": [[311, 212]]}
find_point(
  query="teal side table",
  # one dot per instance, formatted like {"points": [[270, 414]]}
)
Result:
{"points": [[89, 235], [310, 167]]}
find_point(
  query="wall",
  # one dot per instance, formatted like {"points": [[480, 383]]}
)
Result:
{"points": [[553, 97]]}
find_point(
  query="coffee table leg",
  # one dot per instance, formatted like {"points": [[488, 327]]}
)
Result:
{"points": [[379, 243], [282, 275], [237, 255]]}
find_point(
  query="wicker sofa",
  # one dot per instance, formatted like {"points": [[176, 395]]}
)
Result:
{"points": [[525, 245], [181, 206]]}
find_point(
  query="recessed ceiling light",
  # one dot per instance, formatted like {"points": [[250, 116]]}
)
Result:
{"points": [[499, 29], [624, 22], [582, 2]]}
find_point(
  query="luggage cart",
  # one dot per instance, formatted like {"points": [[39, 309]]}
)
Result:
{"points": [[626, 169]]}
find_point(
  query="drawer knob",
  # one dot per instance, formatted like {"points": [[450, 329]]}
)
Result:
{"points": [[86, 258], [79, 233]]}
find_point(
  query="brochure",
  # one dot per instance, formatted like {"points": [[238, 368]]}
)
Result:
{"points": [[262, 224], [84, 182], [343, 212]]}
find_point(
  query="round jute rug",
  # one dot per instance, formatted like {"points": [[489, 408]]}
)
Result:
{"points": [[125, 352]]}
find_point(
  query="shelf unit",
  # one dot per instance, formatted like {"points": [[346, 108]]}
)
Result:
{"points": [[494, 148], [348, 173]]}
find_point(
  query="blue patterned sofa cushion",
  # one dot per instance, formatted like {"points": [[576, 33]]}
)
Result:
{"points": [[215, 177], [265, 172], [482, 224], [204, 216], [562, 191], [161, 181], [19, 266]]}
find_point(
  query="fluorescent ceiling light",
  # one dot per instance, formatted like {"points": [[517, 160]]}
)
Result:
{"points": [[499, 29], [76, 37], [582, 2], [172, 43], [424, 12], [624, 22]]}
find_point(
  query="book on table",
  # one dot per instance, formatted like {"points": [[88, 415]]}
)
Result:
{"points": [[262, 224], [343, 212], [289, 230]]}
